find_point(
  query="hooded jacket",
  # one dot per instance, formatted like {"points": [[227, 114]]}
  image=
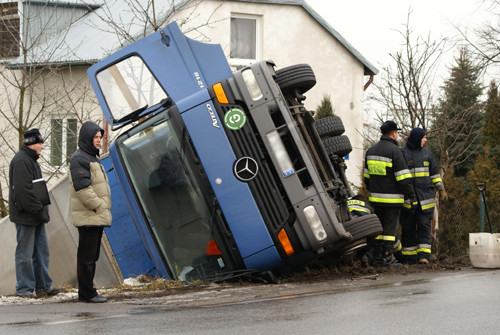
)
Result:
{"points": [[89, 188], [425, 173], [24, 207], [386, 174]]}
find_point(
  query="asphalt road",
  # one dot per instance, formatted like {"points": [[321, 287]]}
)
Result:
{"points": [[466, 301]]}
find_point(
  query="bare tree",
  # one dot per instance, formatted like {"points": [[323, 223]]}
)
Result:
{"points": [[34, 88], [407, 87], [484, 42], [151, 15]]}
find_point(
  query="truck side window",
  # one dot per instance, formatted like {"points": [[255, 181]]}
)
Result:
{"points": [[128, 86]]}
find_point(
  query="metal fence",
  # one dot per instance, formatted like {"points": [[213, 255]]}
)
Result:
{"points": [[459, 218]]}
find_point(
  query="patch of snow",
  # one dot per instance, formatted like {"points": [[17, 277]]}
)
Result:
{"points": [[61, 297], [136, 281]]}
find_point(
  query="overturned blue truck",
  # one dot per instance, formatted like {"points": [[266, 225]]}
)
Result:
{"points": [[224, 173]]}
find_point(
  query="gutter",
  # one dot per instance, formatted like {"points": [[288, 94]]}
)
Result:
{"points": [[368, 83]]}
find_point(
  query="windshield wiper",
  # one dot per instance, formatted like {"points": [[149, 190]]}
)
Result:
{"points": [[134, 115]]}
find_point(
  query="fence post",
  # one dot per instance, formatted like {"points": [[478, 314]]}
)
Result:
{"points": [[481, 214]]}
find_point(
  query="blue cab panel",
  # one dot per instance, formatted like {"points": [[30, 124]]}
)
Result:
{"points": [[125, 241]]}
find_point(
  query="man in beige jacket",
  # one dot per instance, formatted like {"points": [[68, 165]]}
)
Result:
{"points": [[90, 207]]}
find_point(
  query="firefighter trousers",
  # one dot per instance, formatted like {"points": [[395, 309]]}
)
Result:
{"points": [[388, 217], [416, 235]]}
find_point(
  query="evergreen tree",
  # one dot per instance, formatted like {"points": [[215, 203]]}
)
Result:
{"points": [[491, 130], [459, 119], [325, 108], [485, 171]]}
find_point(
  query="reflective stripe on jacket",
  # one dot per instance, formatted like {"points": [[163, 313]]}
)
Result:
{"points": [[386, 174], [425, 175], [358, 207]]}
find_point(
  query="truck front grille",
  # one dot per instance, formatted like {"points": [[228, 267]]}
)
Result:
{"points": [[270, 200]]}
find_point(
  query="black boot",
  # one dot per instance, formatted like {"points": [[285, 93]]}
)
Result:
{"points": [[378, 259], [384, 256]]}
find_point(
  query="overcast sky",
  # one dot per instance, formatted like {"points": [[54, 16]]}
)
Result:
{"points": [[371, 26]]}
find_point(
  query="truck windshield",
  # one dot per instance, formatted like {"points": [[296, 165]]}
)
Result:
{"points": [[171, 198]]}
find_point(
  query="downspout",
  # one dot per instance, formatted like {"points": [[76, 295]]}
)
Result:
{"points": [[105, 137], [368, 82]]}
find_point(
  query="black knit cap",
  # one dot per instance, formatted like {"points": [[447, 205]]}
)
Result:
{"points": [[32, 136], [388, 126]]}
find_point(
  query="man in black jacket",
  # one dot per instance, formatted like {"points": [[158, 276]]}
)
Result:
{"points": [[30, 214], [387, 178], [416, 222]]}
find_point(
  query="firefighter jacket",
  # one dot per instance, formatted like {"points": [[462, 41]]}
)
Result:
{"points": [[386, 174], [358, 207], [425, 176]]}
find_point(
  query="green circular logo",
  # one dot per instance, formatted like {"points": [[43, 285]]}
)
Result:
{"points": [[235, 119]]}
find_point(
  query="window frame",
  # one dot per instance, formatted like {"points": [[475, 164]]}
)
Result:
{"points": [[10, 39], [237, 62], [65, 151]]}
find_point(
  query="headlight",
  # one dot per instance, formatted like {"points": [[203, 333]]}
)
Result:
{"points": [[280, 153], [315, 223], [252, 85]]}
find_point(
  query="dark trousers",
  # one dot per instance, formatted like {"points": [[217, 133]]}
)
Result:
{"points": [[416, 232], [89, 246], [389, 217], [383, 245]]}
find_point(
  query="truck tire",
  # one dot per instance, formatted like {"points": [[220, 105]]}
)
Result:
{"points": [[364, 226], [337, 145], [361, 228], [329, 126], [300, 76]]}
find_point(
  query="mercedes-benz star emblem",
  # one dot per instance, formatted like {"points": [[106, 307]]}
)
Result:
{"points": [[245, 168]]}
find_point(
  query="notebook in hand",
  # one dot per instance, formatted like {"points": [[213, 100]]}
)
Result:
{"points": [[41, 192]]}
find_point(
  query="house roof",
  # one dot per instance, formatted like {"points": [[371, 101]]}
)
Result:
{"points": [[77, 3], [92, 38], [370, 69]]}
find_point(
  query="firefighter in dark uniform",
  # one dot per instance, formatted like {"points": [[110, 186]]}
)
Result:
{"points": [[416, 218], [387, 179], [358, 206]]}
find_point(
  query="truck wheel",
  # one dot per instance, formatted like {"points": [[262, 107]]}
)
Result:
{"points": [[300, 76], [338, 145], [364, 226], [360, 228], [329, 126]]}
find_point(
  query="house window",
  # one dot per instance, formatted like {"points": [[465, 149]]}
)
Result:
{"points": [[244, 39], [63, 140], [9, 30]]}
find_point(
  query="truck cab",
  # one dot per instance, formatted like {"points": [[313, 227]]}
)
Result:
{"points": [[224, 172]]}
